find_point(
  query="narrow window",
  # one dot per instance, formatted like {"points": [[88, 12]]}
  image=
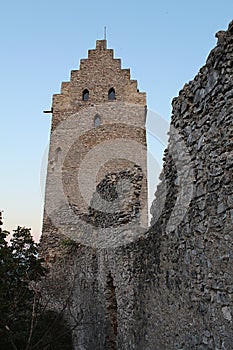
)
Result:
{"points": [[97, 121], [56, 159], [111, 94], [110, 314], [58, 155], [85, 95]]}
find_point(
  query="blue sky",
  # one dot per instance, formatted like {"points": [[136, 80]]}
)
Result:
{"points": [[164, 43]]}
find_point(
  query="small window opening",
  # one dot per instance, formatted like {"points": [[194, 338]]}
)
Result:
{"points": [[56, 159], [58, 155], [97, 121], [85, 95], [111, 94], [110, 314]]}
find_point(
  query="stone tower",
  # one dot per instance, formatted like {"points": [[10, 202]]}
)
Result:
{"points": [[97, 171], [96, 189]]}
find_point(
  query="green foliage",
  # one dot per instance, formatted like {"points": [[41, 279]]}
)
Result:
{"points": [[19, 266], [24, 323]]}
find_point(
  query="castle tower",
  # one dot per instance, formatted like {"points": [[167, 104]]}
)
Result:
{"points": [[97, 171], [95, 197]]}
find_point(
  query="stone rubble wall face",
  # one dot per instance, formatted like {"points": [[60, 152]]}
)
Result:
{"points": [[193, 291]]}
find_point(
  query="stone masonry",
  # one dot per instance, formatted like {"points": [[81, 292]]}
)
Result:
{"points": [[169, 287], [96, 194], [98, 129], [192, 302]]}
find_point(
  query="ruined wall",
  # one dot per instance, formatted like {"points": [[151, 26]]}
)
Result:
{"points": [[192, 301], [169, 287]]}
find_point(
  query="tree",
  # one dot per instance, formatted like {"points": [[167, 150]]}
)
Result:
{"points": [[25, 324], [20, 265]]}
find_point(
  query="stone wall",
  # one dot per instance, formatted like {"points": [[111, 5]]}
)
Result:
{"points": [[192, 302], [169, 287]]}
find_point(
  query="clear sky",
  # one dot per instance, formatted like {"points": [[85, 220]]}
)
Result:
{"points": [[164, 43]]}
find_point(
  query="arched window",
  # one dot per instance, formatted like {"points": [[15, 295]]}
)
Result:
{"points": [[58, 155], [111, 94], [97, 121], [55, 161], [85, 95]]}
